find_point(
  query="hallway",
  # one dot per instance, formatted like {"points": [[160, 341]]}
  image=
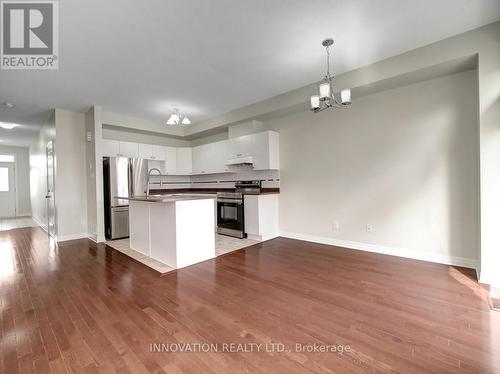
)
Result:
{"points": [[16, 223]]}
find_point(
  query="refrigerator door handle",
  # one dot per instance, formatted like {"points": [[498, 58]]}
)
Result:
{"points": [[131, 178]]}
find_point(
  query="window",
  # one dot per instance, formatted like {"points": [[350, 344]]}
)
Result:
{"points": [[6, 158], [4, 179]]}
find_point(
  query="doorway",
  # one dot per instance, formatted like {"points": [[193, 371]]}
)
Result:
{"points": [[50, 196], [8, 188]]}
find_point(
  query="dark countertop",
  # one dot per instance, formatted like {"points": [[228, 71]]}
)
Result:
{"points": [[264, 191], [172, 198]]}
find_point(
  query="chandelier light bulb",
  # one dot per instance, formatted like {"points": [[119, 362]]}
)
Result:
{"points": [[324, 90], [345, 96], [177, 118], [314, 102]]}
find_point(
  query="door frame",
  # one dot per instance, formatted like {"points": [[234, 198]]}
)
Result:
{"points": [[54, 167], [15, 180]]}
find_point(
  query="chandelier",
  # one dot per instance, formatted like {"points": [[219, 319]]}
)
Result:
{"points": [[177, 118], [327, 98]]}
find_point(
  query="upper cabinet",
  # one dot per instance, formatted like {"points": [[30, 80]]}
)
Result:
{"points": [[239, 147], [110, 148], [262, 149], [153, 152], [266, 150], [170, 157], [210, 158], [129, 149], [146, 151], [114, 148], [184, 159]]}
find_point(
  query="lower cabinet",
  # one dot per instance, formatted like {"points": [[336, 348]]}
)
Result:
{"points": [[261, 215]]}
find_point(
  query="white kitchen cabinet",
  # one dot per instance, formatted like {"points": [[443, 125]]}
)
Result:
{"points": [[219, 156], [239, 147], [159, 152], [110, 148], [146, 151], [115, 148], [261, 216], [152, 152], [129, 149], [184, 160], [210, 158], [266, 150], [200, 161], [170, 157]]}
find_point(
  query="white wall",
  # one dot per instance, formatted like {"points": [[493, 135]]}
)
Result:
{"points": [[90, 174], [94, 177], [71, 188], [404, 161], [38, 170], [23, 203]]}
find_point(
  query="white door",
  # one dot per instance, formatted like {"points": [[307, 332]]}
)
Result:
{"points": [[51, 207], [7, 190]]}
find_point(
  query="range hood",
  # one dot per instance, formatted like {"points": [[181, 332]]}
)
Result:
{"points": [[240, 161]]}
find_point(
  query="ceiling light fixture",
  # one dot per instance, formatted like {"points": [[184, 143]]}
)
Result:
{"points": [[327, 98], [7, 126], [177, 118], [9, 105]]}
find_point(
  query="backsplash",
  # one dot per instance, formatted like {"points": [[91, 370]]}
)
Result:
{"points": [[269, 178]]}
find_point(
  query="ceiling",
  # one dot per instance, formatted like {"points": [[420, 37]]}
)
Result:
{"points": [[209, 57]]}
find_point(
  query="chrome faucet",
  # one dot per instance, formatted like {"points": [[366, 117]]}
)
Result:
{"points": [[149, 176]]}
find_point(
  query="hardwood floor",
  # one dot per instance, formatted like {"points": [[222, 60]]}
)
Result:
{"points": [[82, 307]]}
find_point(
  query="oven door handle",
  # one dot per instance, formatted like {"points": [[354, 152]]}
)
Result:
{"points": [[238, 202]]}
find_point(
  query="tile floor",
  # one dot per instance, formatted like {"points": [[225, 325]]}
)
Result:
{"points": [[16, 223], [223, 245]]}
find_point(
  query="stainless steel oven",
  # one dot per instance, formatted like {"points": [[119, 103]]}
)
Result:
{"points": [[230, 214]]}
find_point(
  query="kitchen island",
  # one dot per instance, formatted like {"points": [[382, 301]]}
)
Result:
{"points": [[176, 230]]}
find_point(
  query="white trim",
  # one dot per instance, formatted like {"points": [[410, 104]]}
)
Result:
{"points": [[488, 278], [63, 238], [262, 238], [254, 237], [24, 214], [43, 227], [392, 251], [92, 237]]}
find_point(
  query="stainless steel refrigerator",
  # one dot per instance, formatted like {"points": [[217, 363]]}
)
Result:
{"points": [[123, 177]]}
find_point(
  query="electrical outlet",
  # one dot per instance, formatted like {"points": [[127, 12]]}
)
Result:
{"points": [[336, 226], [369, 227]]}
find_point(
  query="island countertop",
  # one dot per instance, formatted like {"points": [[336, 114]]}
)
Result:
{"points": [[168, 198]]}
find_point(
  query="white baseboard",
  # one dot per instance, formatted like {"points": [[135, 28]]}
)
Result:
{"points": [[488, 278], [262, 238], [254, 237], [63, 238], [392, 251], [41, 225]]}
